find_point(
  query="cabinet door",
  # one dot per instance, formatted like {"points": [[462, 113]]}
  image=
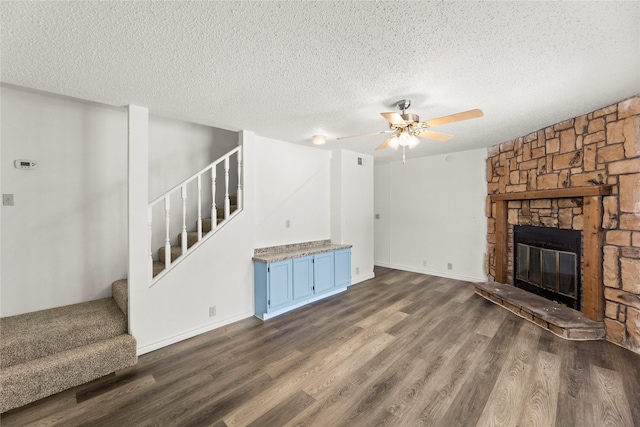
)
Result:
{"points": [[302, 277], [343, 268], [323, 272], [279, 284]]}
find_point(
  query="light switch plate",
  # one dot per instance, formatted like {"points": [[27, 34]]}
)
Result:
{"points": [[7, 199]]}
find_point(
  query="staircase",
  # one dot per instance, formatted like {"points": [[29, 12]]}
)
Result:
{"points": [[48, 351], [192, 237], [168, 255]]}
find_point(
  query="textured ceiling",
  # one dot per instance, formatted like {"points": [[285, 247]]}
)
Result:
{"points": [[289, 70]]}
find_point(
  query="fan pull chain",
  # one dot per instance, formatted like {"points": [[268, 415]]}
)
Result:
{"points": [[404, 160]]}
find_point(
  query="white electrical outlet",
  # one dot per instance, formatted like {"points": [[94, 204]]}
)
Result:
{"points": [[424, 263], [288, 224], [212, 311], [449, 266], [357, 270]]}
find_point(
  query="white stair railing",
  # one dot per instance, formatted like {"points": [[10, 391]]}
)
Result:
{"points": [[182, 187]]}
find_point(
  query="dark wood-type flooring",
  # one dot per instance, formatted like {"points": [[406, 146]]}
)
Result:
{"points": [[402, 349]]}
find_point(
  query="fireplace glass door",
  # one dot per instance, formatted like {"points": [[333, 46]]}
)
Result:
{"points": [[547, 263], [550, 269]]}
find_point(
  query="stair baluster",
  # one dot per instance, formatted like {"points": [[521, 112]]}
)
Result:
{"points": [[239, 191], [227, 205], [199, 223], [150, 220], [167, 239], [214, 210], [184, 219]]}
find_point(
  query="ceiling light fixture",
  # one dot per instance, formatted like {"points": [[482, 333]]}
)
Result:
{"points": [[405, 138], [319, 139]]}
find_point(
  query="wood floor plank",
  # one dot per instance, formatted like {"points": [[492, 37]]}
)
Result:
{"points": [[508, 395], [470, 401], [34, 412], [214, 407], [541, 402], [401, 349], [285, 411], [611, 407], [491, 322], [444, 385]]}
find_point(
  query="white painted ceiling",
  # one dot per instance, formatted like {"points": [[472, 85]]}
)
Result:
{"points": [[289, 70]]}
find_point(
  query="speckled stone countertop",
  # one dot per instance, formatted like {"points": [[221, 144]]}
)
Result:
{"points": [[297, 250]]}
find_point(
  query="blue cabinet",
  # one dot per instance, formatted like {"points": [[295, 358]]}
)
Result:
{"points": [[323, 272], [302, 277], [342, 267], [279, 281], [284, 285], [312, 274]]}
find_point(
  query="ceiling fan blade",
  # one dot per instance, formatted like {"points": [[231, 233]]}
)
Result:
{"points": [[438, 136], [385, 143], [466, 115], [366, 134], [393, 118]]}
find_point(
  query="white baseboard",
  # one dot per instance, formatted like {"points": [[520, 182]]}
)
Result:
{"points": [[190, 334], [447, 275], [362, 278]]}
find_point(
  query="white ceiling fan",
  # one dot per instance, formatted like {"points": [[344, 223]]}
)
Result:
{"points": [[406, 127]]}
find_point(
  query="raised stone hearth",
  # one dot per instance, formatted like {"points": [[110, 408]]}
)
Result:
{"points": [[559, 319], [580, 174]]}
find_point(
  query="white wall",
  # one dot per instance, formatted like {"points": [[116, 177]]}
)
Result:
{"points": [[177, 149], [382, 209], [64, 241], [352, 209], [435, 213], [291, 183]]}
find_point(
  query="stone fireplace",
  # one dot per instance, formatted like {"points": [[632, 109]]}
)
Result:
{"points": [[580, 175]]}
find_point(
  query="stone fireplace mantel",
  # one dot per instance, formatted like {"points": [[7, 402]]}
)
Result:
{"points": [[593, 293]]}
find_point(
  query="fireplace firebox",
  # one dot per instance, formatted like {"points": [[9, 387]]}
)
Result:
{"points": [[547, 263]]}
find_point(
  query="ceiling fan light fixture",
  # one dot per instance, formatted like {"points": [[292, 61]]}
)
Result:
{"points": [[393, 142], [413, 141], [407, 127], [404, 138], [319, 139]]}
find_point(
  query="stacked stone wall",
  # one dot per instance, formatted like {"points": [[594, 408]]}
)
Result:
{"points": [[601, 147]]}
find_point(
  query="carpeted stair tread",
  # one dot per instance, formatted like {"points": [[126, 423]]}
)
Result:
{"points": [[27, 382], [220, 210], [39, 334], [192, 237], [176, 251], [206, 224], [157, 267], [120, 292]]}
